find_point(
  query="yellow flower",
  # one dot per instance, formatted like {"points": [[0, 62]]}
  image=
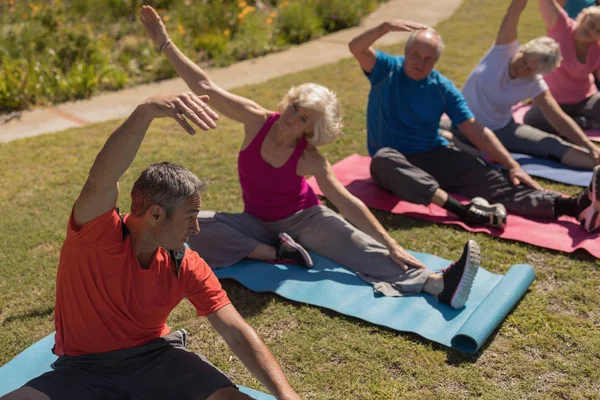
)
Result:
{"points": [[269, 21], [242, 4], [273, 15], [180, 29], [166, 18], [11, 2], [226, 33], [34, 7], [284, 4]]}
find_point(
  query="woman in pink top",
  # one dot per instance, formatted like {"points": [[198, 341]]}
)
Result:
{"points": [[572, 83], [282, 215]]}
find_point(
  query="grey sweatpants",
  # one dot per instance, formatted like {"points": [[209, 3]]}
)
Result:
{"points": [[581, 112], [520, 138], [416, 177], [224, 239]]}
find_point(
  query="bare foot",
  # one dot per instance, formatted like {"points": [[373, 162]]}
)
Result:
{"points": [[154, 25]]}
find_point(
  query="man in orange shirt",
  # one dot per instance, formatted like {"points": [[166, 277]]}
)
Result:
{"points": [[119, 277]]}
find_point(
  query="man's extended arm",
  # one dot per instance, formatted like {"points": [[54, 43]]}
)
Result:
{"points": [[101, 190]]}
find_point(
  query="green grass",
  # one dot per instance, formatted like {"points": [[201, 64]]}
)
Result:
{"points": [[547, 348]]}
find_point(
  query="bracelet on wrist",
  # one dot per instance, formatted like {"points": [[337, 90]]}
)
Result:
{"points": [[165, 44]]}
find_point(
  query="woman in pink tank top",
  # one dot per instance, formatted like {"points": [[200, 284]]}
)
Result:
{"points": [[572, 83], [282, 216]]}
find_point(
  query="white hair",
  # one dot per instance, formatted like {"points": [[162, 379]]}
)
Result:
{"points": [[316, 97], [545, 51], [592, 11], [440, 47]]}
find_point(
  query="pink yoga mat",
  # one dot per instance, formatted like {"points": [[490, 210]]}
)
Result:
{"points": [[520, 110], [566, 234]]}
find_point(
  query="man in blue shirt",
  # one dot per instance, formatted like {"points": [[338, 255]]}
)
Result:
{"points": [[407, 99]]}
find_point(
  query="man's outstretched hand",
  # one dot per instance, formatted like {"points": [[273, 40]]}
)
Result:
{"points": [[182, 106]]}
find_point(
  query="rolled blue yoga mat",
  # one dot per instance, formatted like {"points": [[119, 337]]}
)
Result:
{"points": [[553, 170], [332, 286], [36, 359]]}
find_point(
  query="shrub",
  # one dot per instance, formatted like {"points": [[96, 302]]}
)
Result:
{"points": [[298, 22], [342, 14], [253, 37]]}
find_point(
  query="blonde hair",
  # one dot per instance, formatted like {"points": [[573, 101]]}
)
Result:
{"points": [[316, 97], [545, 51], [592, 11]]}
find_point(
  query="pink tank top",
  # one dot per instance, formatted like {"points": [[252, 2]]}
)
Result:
{"points": [[269, 193]]}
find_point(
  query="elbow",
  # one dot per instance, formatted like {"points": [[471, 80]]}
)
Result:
{"points": [[204, 86], [352, 47]]}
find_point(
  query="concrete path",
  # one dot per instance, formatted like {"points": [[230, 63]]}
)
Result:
{"points": [[326, 50]]}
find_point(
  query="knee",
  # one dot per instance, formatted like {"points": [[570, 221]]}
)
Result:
{"points": [[554, 147], [384, 160], [25, 393]]}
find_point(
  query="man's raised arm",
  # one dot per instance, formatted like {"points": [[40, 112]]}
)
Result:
{"points": [[101, 190]]}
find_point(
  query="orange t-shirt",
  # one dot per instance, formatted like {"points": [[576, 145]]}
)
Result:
{"points": [[106, 301]]}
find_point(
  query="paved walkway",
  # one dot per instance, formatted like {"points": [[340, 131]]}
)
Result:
{"points": [[328, 49]]}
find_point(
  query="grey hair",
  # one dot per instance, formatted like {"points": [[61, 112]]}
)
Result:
{"points": [[316, 97], [440, 47], [166, 184], [545, 51]]}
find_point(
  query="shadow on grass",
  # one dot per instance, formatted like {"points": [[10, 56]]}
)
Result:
{"points": [[37, 313]]}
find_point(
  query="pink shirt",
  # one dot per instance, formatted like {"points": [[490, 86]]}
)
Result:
{"points": [[269, 193], [572, 82]]}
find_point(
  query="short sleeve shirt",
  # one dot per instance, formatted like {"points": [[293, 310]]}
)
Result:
{"points": [[572, 82], [491, 93], [574, 7], [106, 301], [404, 113]]}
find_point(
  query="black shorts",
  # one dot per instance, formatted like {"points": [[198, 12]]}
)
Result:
{"points": [[160, 369]]}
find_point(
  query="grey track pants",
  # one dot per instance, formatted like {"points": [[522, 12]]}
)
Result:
{"points": [[224, 239], [581, 112], [524, 139], [416, 177]]}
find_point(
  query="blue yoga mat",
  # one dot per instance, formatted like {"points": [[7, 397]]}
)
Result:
{"points": [[36, 359], [332, 286], [553, 170]]}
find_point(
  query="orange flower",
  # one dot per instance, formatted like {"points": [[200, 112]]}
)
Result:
{"points": [[180, 29], [34, 7]]}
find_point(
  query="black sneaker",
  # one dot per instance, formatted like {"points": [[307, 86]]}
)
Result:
{"points": [[290, 252], [588, 203], [480, 212], [459, 277]]}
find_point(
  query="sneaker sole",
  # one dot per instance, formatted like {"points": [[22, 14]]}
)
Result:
{"points": [[591, 219], [462, 291], [307, 259], [491, 208]]}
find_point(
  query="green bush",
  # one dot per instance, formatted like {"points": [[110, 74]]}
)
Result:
{"points": [[215, 45], [53, 51], [298, 22], [253, 37], [342, 14]]}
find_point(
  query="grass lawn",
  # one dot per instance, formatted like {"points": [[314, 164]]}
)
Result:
{"points": [[548, 347]]}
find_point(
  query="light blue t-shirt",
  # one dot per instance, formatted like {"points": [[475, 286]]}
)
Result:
{"points": [[403, 113], [574, 7]]}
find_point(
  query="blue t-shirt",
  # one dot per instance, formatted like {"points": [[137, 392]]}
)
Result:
{"points": [[574, 7], [403, 113]]}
